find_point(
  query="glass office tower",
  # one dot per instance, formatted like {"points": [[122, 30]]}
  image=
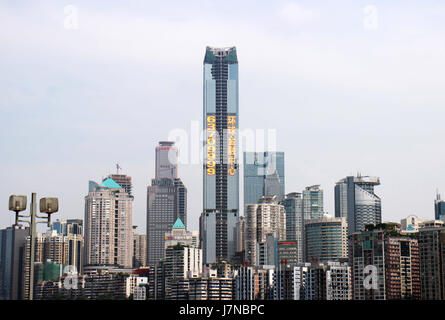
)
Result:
{"points": [[439, 208], [263, 176], [313, 202], [220, 168], [355, 200]]}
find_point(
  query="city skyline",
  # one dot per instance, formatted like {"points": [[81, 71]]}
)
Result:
{"points": [[393, 134]]}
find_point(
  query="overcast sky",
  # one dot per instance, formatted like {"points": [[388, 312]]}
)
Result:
{"points": [[349, 86]]}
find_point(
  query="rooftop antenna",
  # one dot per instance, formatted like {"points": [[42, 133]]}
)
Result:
{"points": [[118, 167]]}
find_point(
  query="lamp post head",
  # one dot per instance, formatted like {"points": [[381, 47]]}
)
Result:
{"points": [[17, 203], [49, 205]]}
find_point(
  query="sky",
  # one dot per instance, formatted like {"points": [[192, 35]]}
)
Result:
{"points": [[348, 86]]}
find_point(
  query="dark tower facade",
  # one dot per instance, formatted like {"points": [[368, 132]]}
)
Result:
{"points": [[220, 168]]}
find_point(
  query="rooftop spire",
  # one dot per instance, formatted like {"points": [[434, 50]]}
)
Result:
{"points": [[178, 224]]}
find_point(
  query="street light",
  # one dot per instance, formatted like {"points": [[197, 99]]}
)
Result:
{"points": [[48, 206], [17, 204]]}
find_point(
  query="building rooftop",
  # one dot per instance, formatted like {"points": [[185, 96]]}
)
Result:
{"points": [[178, 224], [228, 53], [359, 179], [110, 183]]}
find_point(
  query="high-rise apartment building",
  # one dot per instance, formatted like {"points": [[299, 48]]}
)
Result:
{"points": [[202, 288], [300, 208], [62, 244], [326, 239], [263, 176], [263, 219], [393, 257], [181, 262], [254, 283], [293, 204], [139, 249], [328, 280], [356, 201], [338, 281], [166, 201], [240, 233], [246, 283], [123, 180], [108, 225], [12, 262], [70, 226], [272, 252], [432, 262], [74, 226], [221, 168]]}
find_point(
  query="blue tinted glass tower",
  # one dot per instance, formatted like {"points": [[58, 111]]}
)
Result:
{"points": [[220, 167], [263, 176], [439, 208]]}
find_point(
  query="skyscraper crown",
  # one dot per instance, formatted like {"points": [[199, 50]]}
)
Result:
{"points": [[227, 53], [178, 224], [110, 183]]}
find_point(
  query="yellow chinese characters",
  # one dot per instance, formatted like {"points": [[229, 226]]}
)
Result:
{"points": [[231, 126]]}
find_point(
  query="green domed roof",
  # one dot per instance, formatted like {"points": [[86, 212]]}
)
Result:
{"points": [[110, 183]]}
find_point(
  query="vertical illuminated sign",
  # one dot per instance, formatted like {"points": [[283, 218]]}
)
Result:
{"points": [[211, 146], [231, 126]]}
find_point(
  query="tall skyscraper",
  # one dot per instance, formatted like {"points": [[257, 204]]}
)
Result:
{"points": [[313, 202], [108, 225], [262, 219], [166, 160], [166, 201], [12, 261], [396, 259], [294, 217], [263, 176], [439, 208], [301, 208], [220, 169], [356, 201], [139, 249], [432, 262]]}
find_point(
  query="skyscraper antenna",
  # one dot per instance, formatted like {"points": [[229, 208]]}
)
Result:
{"points": [[118, 167]]}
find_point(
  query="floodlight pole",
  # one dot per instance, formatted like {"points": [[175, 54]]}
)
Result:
{"points": [[48, 206]]}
